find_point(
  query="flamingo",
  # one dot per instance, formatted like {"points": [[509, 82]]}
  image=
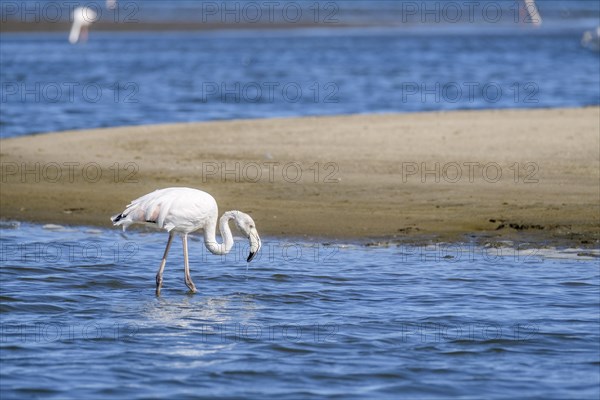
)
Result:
{"points": [[591, 39], [83, 17], [534, 14], [181, 211]]}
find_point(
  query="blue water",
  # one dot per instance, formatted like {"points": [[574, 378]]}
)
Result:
{"points": [[557, 14], [78, 314], [159, 77], [79, 319]]}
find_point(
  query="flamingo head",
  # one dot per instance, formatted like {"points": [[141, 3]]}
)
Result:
{"points": [[247, 227]]}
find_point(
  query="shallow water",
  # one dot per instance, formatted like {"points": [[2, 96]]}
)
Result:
{"points": [[306, 320], [557, 14]]}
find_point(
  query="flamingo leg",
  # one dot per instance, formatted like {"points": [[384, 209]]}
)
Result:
{"points": [[186, 264], [159, 274]]}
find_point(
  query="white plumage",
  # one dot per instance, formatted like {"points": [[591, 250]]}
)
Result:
{"points": [[83, 18], [182, 211]]}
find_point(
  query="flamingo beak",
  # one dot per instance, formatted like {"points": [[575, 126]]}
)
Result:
{"points": [[255, 245]]}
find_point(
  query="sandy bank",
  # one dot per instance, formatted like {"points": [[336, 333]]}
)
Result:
{"points": [[14, 26], [528, 175]]}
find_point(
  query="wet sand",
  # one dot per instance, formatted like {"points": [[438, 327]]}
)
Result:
{"points": [[529, 176], [16, 26]]}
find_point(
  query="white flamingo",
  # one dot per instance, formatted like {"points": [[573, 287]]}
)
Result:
{"points": [[83, 17], [534, 14], [591, 39], [182, 211]]}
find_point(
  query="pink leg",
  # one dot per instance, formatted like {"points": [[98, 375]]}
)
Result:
{"points": [[159, 274], [186, 265]]}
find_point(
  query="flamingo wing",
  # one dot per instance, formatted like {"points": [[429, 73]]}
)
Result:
{"points": [[179, 209]]}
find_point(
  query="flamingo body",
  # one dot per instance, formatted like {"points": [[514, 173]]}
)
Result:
{"points": [[181, 210]]}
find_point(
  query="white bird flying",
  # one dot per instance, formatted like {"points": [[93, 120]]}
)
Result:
{"points": [[182, 211]]}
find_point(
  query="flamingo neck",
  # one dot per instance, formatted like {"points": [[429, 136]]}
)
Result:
{"points": [[210, 240], [75, 32]]}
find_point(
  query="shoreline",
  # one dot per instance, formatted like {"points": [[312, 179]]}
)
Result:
{"points": [[525, 248], [12, 26], [368, 178]]}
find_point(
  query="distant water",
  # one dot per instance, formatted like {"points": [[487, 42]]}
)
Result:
{"points": [[157, 77], [558, 14], [79, 319]]}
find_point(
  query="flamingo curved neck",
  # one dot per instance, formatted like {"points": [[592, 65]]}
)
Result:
{"points": [[210, 240]]}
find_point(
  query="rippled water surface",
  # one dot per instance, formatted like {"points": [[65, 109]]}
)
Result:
{"points": [[306, 320], [144, 78]]}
